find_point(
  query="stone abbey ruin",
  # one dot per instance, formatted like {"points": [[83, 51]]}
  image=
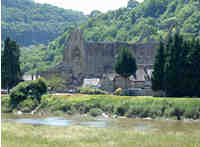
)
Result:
{"points": [[84, 60]]}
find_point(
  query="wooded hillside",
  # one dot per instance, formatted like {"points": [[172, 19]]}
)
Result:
{"points": [[30, 23]]}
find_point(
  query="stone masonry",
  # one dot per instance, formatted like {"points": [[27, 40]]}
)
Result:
{"points": [[84, 59]]}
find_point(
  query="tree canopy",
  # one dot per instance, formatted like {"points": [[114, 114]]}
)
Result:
{"points": [[10, 65], [31, 23], [176, 67], [125, 63], [159, 67], [145, 22]]}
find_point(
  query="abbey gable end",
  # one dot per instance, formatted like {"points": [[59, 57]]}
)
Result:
{"points": [[84, 59]]}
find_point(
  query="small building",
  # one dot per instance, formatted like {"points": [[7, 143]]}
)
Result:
{"points": [[94, 82], [110, 82], [30, 77]]}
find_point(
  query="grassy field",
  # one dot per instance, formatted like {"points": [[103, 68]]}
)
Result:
{"points": [[142, 106], [125, 105], [20, 135], [165, 135]]}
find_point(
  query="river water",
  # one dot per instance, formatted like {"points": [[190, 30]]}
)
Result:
{"points": [[101, 122]]}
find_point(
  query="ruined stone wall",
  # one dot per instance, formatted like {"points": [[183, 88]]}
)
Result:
{"points": [[92, 59], [84, 59], [101, 56]]}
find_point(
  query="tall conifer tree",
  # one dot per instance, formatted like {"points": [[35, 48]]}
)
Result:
{"points": [[10, 65], [194, 67], [174, 65], [158, 73]]}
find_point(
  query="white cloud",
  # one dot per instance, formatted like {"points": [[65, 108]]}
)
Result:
{"points": [[87, 6]]}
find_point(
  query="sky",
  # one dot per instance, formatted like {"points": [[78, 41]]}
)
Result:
{"points": [[86, 6]]}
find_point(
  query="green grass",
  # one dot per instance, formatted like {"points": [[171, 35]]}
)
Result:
{"points": [[126, 105], [5, 103], [21, 135], [169, 135], [142, 106]]}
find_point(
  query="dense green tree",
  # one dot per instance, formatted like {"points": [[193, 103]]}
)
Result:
{"points": [[125, 64], [176, 66], [10, 65], [159, 68], [194, 68], [28, 90], [181, 74], [154, 8], [31, 23], [146, 22], [132, 3]]}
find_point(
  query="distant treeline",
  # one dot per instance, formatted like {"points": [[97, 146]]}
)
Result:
{"points": [[31, 23]]}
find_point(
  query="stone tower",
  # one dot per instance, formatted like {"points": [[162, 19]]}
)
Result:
{"points": [[74, 54]]}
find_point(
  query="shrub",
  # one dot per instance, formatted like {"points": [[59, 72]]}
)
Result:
{"points": [[192, 113], [72, 110], [83, 108], [5, 108], [28, 105], [28, 89], [56, 83], [95, 112], [135, 110], [175, 111], [108, 108], [122, 109]]}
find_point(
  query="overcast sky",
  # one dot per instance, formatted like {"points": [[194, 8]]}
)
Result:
{"points": [[87, 6]]}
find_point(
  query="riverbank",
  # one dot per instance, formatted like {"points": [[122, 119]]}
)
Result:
{"points": [[113, 106]]}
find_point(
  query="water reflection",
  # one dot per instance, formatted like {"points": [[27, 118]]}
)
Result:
{"points": [[56, 121], [52, 121], [136, 124]]}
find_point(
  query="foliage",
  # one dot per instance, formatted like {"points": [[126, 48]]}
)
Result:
{"points": [[132, 4], [176, 69], [125, 105], [32, 23], [38, 58], [28, 105], [193, 71], [174, 65], [29, 90], [35, 59], [145, 22], [159, 66], [154, 8], [11, 73], [125, 64], [5, 107], [129, 106], [55, 83], [95, 112]]}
